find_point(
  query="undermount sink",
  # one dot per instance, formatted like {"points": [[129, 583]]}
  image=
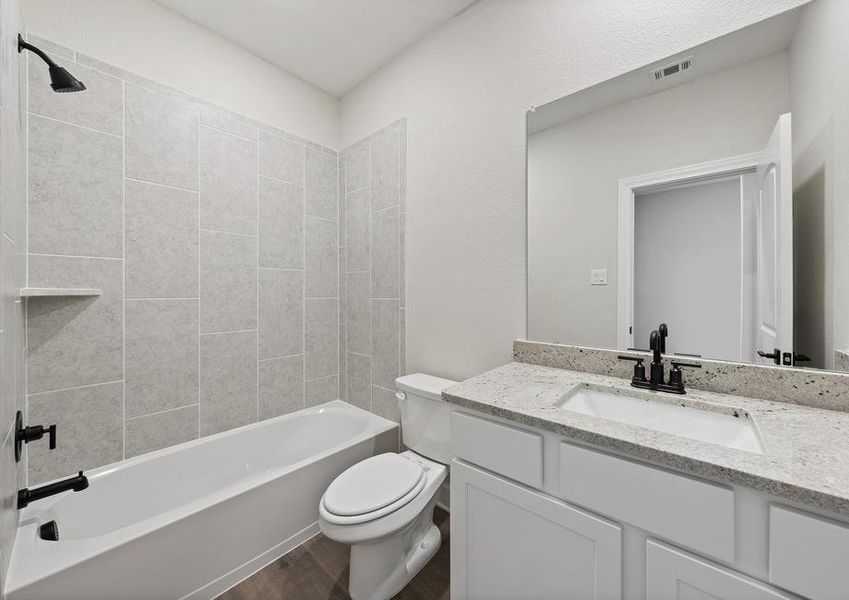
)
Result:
{"points": [[707, 423]]}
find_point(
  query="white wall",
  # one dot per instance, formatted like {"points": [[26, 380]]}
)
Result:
{"points": [[149, 40], [574, 172], [464, 89], [687, 268], [819, 91]]}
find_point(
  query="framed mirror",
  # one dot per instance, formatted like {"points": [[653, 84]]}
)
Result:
{"points": [[708, 191]]}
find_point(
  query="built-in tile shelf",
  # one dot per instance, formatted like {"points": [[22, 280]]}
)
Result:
{"points": [[58, 292]]}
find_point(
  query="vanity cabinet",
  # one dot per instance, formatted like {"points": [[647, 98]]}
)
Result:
{"points": [[512, 542], [557, 519]]}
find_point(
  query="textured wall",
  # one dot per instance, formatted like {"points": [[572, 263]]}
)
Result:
{"points": [[373, 177], [144, 37], [12, 266], [215, 241], [464, 90]]}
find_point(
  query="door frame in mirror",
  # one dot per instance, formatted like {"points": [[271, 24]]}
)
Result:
{"points": [[628, 189]]}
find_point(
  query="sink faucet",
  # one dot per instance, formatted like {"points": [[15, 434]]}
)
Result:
{"points": [[77, 483], [657, 343]]}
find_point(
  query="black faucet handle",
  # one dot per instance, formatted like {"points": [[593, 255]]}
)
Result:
{"points": [[639, 368], [636, 359], [678, 365], [24, 434], [675, 378]]}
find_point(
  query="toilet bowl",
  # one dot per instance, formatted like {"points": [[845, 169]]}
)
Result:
{"points": [[383, 506]]}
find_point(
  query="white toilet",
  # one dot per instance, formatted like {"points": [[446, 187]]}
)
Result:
{"points": [[383, 506]]}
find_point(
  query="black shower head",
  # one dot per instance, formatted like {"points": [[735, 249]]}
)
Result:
{"points": [[60, 79]]}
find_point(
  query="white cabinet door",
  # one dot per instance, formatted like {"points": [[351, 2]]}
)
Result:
{"points": [[672, 574], [510, 542]]}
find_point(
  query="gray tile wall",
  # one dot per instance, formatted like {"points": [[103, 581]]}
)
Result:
{"points": [[12, 267], [371, 269], [215, 240]]}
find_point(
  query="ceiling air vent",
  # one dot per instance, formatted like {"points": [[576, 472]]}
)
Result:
{"points": [[679, 66]]}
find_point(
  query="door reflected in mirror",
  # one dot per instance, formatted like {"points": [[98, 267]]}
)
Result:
{"points": [[709, 191]]}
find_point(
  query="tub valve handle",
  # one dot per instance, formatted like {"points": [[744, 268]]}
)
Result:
{"points": [[27, 434]]}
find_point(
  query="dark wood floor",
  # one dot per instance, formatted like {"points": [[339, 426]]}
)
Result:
{"points": [[318, 570]]}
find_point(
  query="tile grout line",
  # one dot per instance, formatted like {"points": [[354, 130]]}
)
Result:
{"points": [[161, 412], [123, 262], [218, 231], [256, 201], [401, 252], [76, 125], [164, 185], [25, 459], [75, 256], [200, 387], [76, 387], [285, 356], [370, 147], [225, 132], [278, 180], [304, 282]]}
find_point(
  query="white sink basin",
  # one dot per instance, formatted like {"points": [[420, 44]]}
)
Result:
{"points": [[666, 414]]}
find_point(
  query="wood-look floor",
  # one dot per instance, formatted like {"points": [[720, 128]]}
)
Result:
{"points": [[318, 570]]}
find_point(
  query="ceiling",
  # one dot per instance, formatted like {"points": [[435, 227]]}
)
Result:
{"points": [[332, 44]]}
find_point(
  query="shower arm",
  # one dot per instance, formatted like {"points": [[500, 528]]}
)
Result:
{"points": [[23, 45]]}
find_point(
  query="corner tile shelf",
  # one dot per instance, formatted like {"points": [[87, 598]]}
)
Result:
{"points": [[58, 292]]}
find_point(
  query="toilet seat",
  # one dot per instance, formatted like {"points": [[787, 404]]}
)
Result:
{"points": [[372, 488]]}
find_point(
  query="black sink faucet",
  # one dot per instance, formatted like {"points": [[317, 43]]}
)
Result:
{"points": [[657, 343], [77, 483]]}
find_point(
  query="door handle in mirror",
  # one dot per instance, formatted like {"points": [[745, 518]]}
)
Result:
{"points": [[775, 355]]}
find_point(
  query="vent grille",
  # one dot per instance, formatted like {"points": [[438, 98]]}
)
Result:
{"points": [[679, 66]]}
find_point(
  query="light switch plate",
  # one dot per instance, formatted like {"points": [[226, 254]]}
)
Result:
{"points": [[598, 276]]}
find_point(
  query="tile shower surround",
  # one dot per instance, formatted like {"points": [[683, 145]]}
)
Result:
{"points": [[217, 247], [371, 269]]}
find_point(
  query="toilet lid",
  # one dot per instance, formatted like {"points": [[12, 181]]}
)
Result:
{"points": [[372, 484]]}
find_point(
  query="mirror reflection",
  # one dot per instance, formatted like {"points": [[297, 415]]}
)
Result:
{"points": [[708, 191]]}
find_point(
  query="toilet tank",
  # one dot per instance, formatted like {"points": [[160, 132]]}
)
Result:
{"points": [[425, 427]]}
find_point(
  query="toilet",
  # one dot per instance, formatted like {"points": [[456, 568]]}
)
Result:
{"points": [[383, 506]]}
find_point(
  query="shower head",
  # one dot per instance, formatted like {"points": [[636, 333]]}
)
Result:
{"points": [[60, 79]]}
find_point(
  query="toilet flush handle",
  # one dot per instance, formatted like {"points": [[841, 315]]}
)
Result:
{"points": [[400, 396]]}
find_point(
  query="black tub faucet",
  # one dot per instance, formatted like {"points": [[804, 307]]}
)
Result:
{"points": [[77, 483]]}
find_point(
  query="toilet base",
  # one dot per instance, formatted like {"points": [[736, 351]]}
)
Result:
{"points": [[382, 568]]}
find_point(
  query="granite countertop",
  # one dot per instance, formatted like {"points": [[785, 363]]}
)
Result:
{"points": [[806, 450]]}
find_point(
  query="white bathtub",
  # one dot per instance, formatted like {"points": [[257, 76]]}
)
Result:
{"points": [[193, 520]]}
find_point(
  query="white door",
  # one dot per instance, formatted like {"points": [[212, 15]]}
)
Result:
{"points": [[512, 543], [675, 575], [775, 247]]}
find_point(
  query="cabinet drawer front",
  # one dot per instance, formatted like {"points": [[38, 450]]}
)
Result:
{"points": [[512, 452], [808, 554], [672, 574], [693, 513]]}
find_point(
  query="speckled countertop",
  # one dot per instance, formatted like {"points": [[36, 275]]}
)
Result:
{"points": [[806, 450]]}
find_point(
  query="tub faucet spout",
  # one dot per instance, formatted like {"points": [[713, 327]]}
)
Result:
{"points": [[77, 483]]}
